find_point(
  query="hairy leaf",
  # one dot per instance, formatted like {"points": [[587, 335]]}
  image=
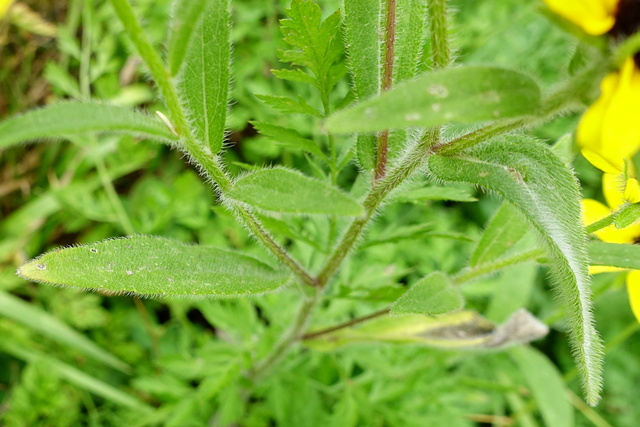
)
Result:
{"points": [[71, 118], [457, 95], [541, 187], [432, 295], [614, 254], [147, 265], [287, 191], [410, 29], [504, 230], [185, 14], [203, 82]]}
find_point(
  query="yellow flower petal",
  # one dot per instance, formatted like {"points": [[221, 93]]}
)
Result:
{"points": [[633, 289], [4, 6], [613, 190], [632, 191], [593, 16], [597, 269], [612, 166]]}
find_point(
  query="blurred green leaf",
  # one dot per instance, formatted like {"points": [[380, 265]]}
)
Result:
{"points": [[70, 118], [545, 191], [547, 386], [457, 95], [154, 266], [288, 137], [204, 83], [614, 254], [288, 191], [287, 105], [185, 14], [39, 320], [420, 195], [504, 230], [432, 295]]}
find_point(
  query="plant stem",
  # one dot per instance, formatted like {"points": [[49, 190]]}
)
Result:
{"points": [[387, 83], [440, 50], [288, 339], [482, 270], [202, 156], [357, 320]]}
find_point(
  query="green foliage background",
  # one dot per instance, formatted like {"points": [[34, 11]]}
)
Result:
{"points": [[183, 358]]}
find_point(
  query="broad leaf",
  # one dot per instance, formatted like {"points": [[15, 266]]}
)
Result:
{"points": [[457, 95], [459, 330], [504, 230], [432, 295], [39, 320], [544, 190], [614, 254], [71, 118], [287, 191], [547, 386], [147, 265], [204, 82], [185, 14]]}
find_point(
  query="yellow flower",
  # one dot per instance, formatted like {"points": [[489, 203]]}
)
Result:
{"points": [[608, 133], [4, 6], [594, 211], [595, 17]]}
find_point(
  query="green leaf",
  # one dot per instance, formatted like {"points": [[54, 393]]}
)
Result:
{"points": [[512, 291], [39, 320], [504, 230], [432, 295], [287, 105], [627, 215], [614, 254], [544, 190], [362, 31], [204, 83], [547, 386], [411, 17], [71, 118], [460, 330], [421, 195], [147, 265], [185, 14], [288, 137], [287, 191], [456, 95]]}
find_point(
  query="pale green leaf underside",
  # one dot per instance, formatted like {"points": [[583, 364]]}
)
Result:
{"points": [[460, 330], [457, 95], [537, 183], [39, 320], [72, 118], [185, 14], [203, 81], [287, 191], [504, 230], [154, 266], [547, 386], [432, 295], [614, 255]]}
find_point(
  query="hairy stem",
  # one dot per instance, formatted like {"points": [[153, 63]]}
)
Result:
{"points": [[482, 270]]}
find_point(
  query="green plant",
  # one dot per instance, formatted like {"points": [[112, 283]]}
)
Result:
{"points": [[451, 124]]}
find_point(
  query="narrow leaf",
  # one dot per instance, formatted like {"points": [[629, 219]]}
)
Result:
{"points": [[614, 255], [204, 82], [287, 191], [410, 29], [288, 137], [71, 118], [422, 195], [288, 105], [457, 95], [39, 320], [185, 14], [627, 215], [432, 295], [547, 386], [147, 265], [537, 183], [504, 230], [362, 32]]}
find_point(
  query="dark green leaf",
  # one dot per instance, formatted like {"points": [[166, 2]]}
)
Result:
{"points": [[147, 265], [457, 95]]}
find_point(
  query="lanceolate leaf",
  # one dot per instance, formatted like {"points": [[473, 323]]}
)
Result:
{"points": [[433, 295], [147, 265], [614, 255], [537, 183], [203, 81], [72, 118], [505, 229], [185, 14], [457, 95], [286, 191], [410, 29]]}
